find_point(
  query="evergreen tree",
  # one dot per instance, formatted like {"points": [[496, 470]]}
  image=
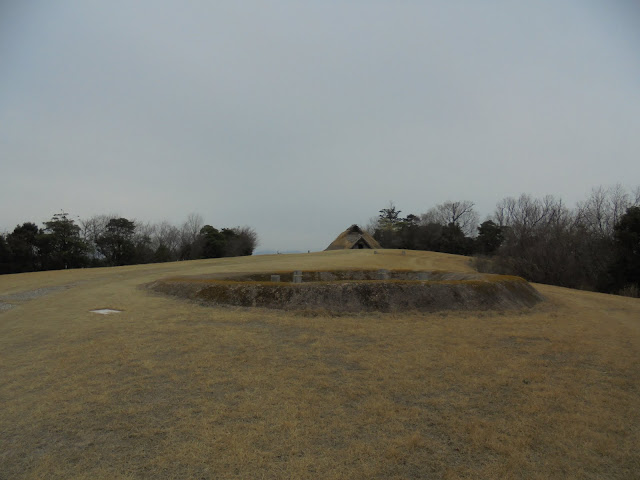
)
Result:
{"points": [[116, 244], [61, 245], [454, 241], [6, 257], [214, 242], [389, 222], [625, 270], [490, 237], [23, 243]]}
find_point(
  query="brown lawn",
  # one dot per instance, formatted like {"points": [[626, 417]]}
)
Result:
{"points": [[172, 389]]}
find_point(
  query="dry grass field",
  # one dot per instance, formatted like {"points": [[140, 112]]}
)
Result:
{"points": [[173, 389]]}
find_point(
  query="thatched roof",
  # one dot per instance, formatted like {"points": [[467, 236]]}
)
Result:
{"points": [[353, 237]]}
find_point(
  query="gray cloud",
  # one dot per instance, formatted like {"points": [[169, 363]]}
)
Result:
{"points": [[302, 118]]}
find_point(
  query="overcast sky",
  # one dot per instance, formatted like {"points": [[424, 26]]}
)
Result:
{"points": [[299, 118]]}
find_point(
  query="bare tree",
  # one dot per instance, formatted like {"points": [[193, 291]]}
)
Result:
{"points": [[461, 214], [145, 229], [549, 243], [636, 196], [604, 207], [93, 228], [191, 228], [372, 225], [190, 241], [504, 212], [594, 212], [527, 213], [620, 201], [167, 237]]}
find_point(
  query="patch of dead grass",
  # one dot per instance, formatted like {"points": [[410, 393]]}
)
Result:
{"points": [[168, 389]]}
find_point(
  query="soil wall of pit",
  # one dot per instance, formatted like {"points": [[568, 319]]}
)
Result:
{"points": [[354, 291]]}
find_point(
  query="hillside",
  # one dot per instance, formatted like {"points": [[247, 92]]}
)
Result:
{"points": [[172, 389]]}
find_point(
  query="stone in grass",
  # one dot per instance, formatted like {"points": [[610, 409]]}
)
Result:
{"points": [[105, 311]]}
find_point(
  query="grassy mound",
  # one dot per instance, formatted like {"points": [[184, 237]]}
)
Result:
{"points": [[358, 290], [173, 389]]}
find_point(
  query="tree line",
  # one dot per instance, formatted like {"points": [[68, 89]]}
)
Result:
{"points": [[110, 240], [593, 246]]}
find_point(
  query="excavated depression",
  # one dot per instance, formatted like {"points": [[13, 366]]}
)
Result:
{"points": [[351, 291]]}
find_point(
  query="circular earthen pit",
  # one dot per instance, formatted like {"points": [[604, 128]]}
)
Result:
{"points": [[350, 291]]}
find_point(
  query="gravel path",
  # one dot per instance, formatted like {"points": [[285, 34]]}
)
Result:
{"points": [[5, 306], [21, 297]]}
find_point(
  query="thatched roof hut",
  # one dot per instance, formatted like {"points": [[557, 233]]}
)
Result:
{"points": [[353, 237]]}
